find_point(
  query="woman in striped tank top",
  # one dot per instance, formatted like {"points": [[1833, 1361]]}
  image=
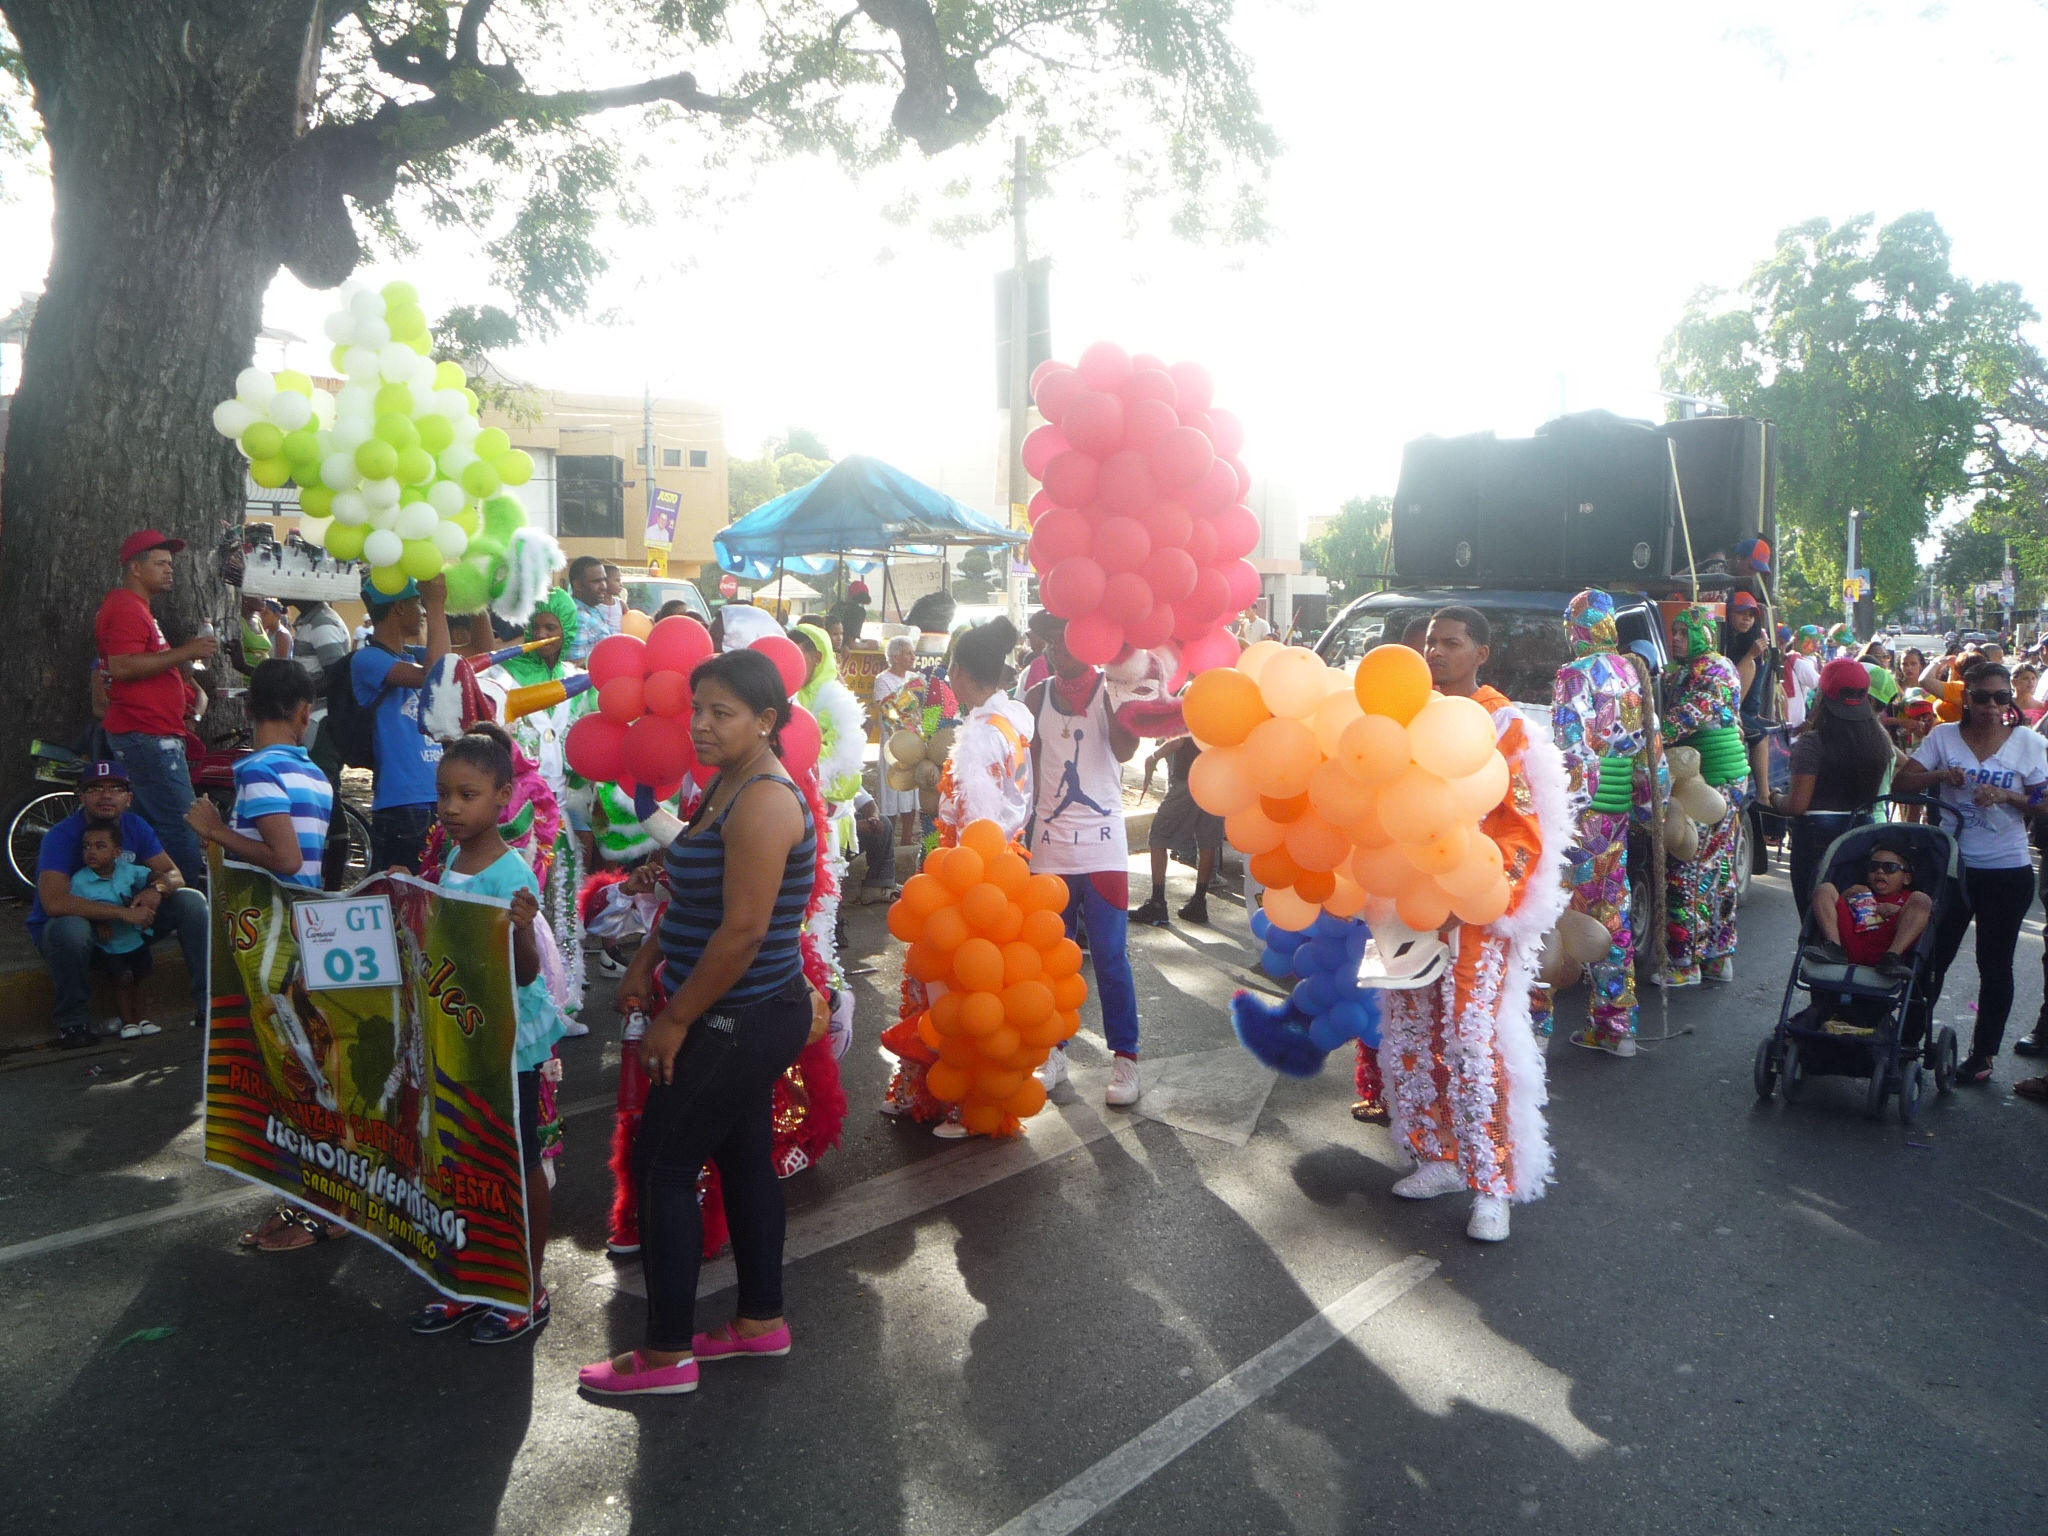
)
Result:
{"points": [[738, 1012]]}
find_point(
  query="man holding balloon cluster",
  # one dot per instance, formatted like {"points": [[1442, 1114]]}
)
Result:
{"points": [[1427, 811]]}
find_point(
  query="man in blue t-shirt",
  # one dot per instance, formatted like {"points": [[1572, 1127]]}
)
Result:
{"points": [[388, 674], [60, 924]]}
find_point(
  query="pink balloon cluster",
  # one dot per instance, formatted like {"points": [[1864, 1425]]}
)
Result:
{"points": [[639, 734], [1140, 533]]}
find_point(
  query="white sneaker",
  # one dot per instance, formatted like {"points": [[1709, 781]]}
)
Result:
{"points": [[950, 1128], [1053, 1070], [137, 1031], [574, 1029], [1489, 1223], [1123, 1082], [1429, 1181]]}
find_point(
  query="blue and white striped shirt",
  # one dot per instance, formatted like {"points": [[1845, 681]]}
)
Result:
{"points": [[696, 887], [282, 781]]}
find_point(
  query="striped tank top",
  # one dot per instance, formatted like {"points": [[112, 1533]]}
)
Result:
{"points": [[695, 864]]}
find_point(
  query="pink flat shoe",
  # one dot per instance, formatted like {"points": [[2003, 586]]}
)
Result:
{"points": [[642, 1381], [726, 1344]]}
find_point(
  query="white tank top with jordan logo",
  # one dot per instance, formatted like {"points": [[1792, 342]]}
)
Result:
{"points": [[1079, 825]]}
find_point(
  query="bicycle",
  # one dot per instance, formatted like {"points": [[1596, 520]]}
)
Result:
{"points": [[213, 775]]}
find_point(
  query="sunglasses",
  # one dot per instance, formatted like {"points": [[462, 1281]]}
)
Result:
{"points": [[1984, 696], [1885, 867]]}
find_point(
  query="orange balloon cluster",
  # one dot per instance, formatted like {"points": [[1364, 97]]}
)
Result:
{"points": [[988, 940], [1350, 790]]}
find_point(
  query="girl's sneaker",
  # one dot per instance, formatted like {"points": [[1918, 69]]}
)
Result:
{"points": [[641, 1380], [137, 1030], [496, 1327], [440, 1316]]}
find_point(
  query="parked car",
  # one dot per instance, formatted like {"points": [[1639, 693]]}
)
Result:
{"points": [[650, 593]]}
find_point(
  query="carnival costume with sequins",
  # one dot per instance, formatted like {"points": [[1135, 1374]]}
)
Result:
{"points": [[1702, 692], [987, 777], [1596, 711], [1464, 1077]]}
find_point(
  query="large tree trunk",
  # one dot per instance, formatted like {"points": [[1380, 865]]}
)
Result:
{"points": [[167, 124]]}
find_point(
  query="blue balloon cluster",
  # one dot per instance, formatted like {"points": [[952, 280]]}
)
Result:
{"points": [[1327, 1007]]}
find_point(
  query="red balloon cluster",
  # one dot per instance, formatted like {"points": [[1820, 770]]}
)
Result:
{"points": [[1140, 534]]}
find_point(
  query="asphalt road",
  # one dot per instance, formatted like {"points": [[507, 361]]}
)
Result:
{"points": [[1724, 1317]]}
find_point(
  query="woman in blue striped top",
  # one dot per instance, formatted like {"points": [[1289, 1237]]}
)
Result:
{"points": [[738, 1012]]}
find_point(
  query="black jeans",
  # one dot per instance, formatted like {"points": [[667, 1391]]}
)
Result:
{"points": [[878, 845], [1810, 835], [1998, 902], [720, 1107], [398, 835]]}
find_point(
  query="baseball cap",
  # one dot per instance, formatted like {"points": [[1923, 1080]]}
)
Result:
{"points": [[1756, 552], [1741, 600], [375, 599], [1841, 675], [143, 542], [102, 772]]}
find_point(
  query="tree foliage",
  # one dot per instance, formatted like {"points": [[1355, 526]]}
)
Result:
{"points": [[510, 119], [775, 470], [1898, 388], [1353, 547]]}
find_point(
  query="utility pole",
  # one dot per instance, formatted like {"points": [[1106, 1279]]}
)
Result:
{"points": [[1848, 602], [1020, 368]]}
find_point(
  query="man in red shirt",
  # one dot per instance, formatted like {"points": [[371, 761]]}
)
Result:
{"points": [[145, 720]]}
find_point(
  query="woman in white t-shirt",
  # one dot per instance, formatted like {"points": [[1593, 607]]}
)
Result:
{"points": [[1993, 770]]}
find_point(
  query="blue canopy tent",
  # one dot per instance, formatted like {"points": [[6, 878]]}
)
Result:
{"points": [[860, 512]]}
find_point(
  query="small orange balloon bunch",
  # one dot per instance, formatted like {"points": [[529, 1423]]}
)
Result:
{"points": [[988, 940], [1351, 793]]}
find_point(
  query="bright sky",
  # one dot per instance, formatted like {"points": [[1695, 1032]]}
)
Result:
{"points": [[1483, 211]]}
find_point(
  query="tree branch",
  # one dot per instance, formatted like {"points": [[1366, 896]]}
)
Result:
{"points": [[466, 30], [943, 102]]}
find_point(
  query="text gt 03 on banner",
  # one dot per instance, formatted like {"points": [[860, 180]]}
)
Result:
{"points": [[346, 943]]}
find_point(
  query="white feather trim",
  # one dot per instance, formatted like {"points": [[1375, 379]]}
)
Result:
{"points": [[1545, 896], [531, 560], [440, 701], [1528, 1090], [844, 725]]}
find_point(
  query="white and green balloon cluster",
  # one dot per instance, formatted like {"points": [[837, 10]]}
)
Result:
{"points": [[393, 470]]}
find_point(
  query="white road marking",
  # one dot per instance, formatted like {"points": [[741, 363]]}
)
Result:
{"points": [[1137, 1460]]}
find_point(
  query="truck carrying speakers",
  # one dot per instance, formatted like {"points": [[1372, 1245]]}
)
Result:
{"points": [[1590, 498]]}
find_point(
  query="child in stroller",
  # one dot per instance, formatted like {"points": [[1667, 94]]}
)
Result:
{"points": [[1875, 924], [1866, 962]]}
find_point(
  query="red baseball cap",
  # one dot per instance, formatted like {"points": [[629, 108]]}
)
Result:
{"points": [[1841, 675], [142, 543], [1741, 600]]}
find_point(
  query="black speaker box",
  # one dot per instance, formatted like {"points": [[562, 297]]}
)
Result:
{"points": [[1728, 474]]}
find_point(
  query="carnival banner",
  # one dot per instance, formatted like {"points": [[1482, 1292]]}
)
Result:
{"points": [[389, 1107]]}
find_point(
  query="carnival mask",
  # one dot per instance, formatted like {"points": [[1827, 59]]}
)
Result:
{"points": [[1590, 622]]}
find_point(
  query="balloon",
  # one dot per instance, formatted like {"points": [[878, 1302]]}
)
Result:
{"points": [[1392, 680], [623, 699], [1585, 937], [960, 871], [595, 748], [1039, 448], [480, 480], [1334, 715], [1415, 806], [635, 623], [1152, 631], [1337, 796], [1055, 391], [1223, 781], [677, 644], [1042, 930], [1489, 906], [1443, 853], [656, 748], [1222, 706], [1126, 598], [1253, 661], [1241, 577], [1317, 846], [979, 966], [1478, 793], [1022, 962], [946, 930], [1292, 682], [1095, 638], [270, 473], [383, 548], [1125, 484], [1094, 424], [1060, 535], [1346, 899], [1423, 907], [1071, 477], [420, 559], [1146, 421], [983, 907], [1105, 366], [514, 467], [667, 693], [1251, 832], [616, 656], [1384, 871], [1010, 873], [1481, 866], [1284, 811], [1237, 532], [1046, 893], [1193, 385], [1287, 909], [789, 661], [1451, 737], [1121, 544], [1181, 459], [1226, 432], [1214, 650], [1285, 756], [416, 520], [802, 741], [345, 540], [924, 894]]}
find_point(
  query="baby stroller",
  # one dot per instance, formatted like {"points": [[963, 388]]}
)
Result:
{"points": [[1800, 1048]]}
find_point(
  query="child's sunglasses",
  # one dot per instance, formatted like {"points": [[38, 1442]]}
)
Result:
{"points": [[1885, 867]]}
